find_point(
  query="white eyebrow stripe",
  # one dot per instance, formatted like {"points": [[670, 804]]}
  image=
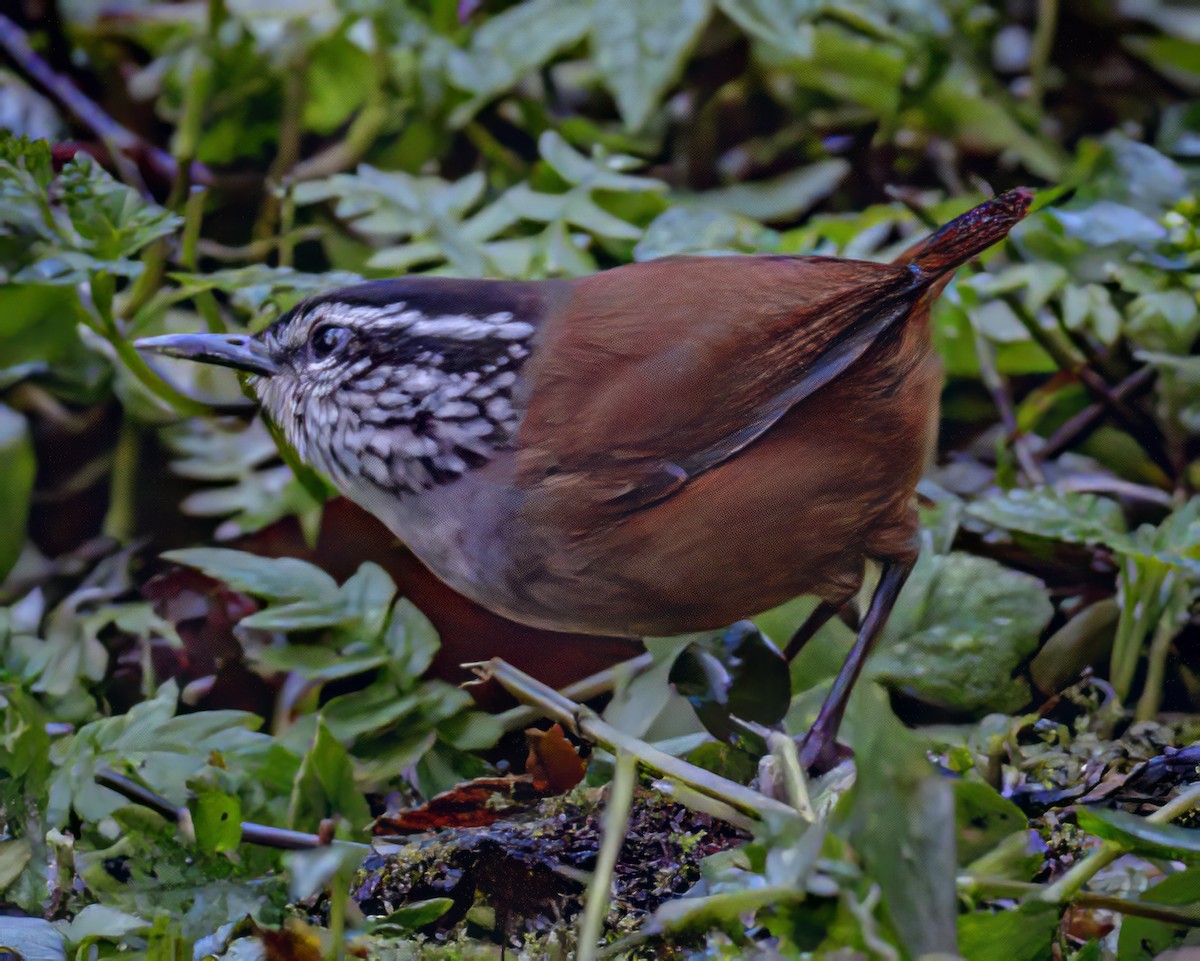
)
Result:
{"points": [[402, 318]]}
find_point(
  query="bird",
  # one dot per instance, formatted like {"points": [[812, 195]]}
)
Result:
{"points": [[655, 449]]}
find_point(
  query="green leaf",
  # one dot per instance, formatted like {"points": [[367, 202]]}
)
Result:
{"points": [[693, 229], [263, 291], [1134, 173], [15, 855], [902, 822], [984, 819], [411, 641], [639, 49], [317, 663], [1065, 516], [1140, 836], [848, 67], [739, 675], [98, 922], [217, 819], [339, 75], [17, 471], [32, 939], [516, 42], [315, 870], [782, 198], [1021, 934], [783, 23], [410, 917], [1105, 222], [961, 627], [1142, 939], [597, 173], [273, 578], [325, 785], [114, 220], [31, 157], [164, 750], [958, 107]]}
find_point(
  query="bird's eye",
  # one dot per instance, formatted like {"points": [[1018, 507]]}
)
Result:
{"points": [[327, 341]]}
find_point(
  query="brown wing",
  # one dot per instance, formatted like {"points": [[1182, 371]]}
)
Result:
{"points": [[639, 385], [654, 373]]}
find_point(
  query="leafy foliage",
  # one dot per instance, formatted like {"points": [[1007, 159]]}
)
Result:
{"points": [[176, 601]]}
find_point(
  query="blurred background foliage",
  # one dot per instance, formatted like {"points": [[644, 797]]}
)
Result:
{"points": [[179, 166]]}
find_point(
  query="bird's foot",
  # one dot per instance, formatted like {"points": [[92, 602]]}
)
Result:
{"points": [[821, 752]]}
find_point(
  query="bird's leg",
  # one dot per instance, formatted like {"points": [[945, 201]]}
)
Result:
{"points": [[820, 616], [819, 750]]}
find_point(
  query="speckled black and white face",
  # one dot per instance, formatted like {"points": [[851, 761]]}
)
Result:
{"points": [[397, 394]]}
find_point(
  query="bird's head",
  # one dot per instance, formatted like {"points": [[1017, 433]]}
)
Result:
{"points": [[383, 385]]}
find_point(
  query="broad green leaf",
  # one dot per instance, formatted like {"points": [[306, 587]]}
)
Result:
{"points": [[409, 917], [902, 823], [411, 640], [695, 229], [957, 107], [325, 785], [1140, 836], [1091, 306], [317, 663], [596, 173], [32, 939], [1142, 939], [15, 855], [17, 470], [314, 870], [1134, 173], [849, 67], [783, 23], [164, 749], [961, 627], [739, 676], [517, 41], [98, 922], [984, 819], [639, 49], [1057, 515], [1166, 320], [782, 198], [273, 578], [1105, 222], [1021, 934], [339, 76], [217, 819]]}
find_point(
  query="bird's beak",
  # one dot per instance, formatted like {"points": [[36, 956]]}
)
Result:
{"points": [[239, 351]]}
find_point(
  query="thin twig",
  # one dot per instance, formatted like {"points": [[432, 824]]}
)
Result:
{"points": [[987, 887], [255, 250], [588, 724], [997, 386], [519, 718], [1141, 427], [261, 834], [87, 113], [615, 828], [703, 804], [1079, 427]]}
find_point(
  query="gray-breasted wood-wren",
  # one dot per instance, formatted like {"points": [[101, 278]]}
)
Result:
{"points": [[659, 448]]}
